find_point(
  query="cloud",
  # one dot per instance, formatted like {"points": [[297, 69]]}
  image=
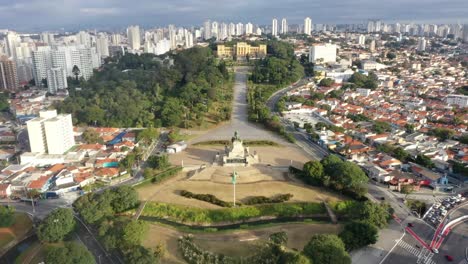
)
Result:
{"points": [[76, 14], [94, 11]]}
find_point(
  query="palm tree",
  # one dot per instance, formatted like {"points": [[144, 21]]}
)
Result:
{"points": [[76, 71]]}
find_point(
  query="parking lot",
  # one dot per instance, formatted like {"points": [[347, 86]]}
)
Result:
{"points": [[301, 118], [438, 211]]}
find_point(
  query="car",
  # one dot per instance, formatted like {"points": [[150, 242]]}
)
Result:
{"points": [[410, 225], [448, 257], [382, 198], [433, 219], [444, 213]]}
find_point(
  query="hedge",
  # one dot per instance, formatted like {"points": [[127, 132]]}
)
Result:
{"points": [[184, 214], [206, 198], [263, 200], [161, 176]]}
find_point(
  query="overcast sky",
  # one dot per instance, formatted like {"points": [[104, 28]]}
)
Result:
{"points": [[87, 14]]}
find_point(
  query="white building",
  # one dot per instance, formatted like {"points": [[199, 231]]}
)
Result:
{"points": [[47, 38], [41, 63], [363, 91], [51, 133], [284, 26], [323, 52], [207, 30], [239, 29], [457, 99], [56, 80], [307, 26], [83, 38], [369, 65], [133, 36], [248, 28], [274, 27], [362, 40], [102, 45]]}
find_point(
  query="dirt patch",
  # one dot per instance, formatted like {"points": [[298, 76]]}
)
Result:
{"points": [[236, 243], [170, 193]]}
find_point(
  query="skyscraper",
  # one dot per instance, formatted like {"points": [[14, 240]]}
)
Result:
{"points": [[248, 28], [362, 40], [284, 26], [207, 30], [133, 36], [56, 80], [51, 133], [12, 40], [102, 45], [232, 30], [41, 63], [215, 30], [8, 74], [465, 33], [274, 27], [307, 26], [48, 38], [239, 29]]}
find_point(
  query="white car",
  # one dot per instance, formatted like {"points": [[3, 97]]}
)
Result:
{"points": [[444, 213]]}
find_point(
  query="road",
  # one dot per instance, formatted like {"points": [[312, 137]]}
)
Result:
{"points": [[239, 118], [274, 98]]}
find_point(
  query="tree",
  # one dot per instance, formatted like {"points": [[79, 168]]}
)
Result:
{"points": [[313, 171], [123, 198], [293, 258], [140, 255], [329, 163], [76, 71], [425, 161], [159, 162], [326, 249], [7, 216], [347, 175], [409, 128], [374, 213], [380, 127], [57, 225], [442, 133], [391, 55], [327, 82], [133, 232], [70, 253], [406, 190], [279, 238], [358, 234], [4, 105], [148, 135], [90, 136]]}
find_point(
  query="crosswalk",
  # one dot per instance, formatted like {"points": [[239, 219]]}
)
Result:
{"points": [[424, 256]]}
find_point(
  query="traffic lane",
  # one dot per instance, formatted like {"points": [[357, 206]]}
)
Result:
{"points": [[89, 241], [401, 255], [455, 245]]}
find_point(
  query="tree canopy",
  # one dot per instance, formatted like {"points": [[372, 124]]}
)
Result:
{"points": [[363, 81], [359, 234], [326, 249], [140, 90], [57, 225], [7, 216], [70, 253]]}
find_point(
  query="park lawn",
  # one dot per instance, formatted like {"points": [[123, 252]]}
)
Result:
{"points": [[231, 248], [5, 237], [17, 231]]}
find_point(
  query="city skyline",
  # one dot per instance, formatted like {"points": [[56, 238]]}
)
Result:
{"points": [[112, 14]]}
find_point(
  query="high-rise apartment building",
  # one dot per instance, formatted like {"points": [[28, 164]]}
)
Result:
{"points": [[284, 26], [116, 39], [465, 33], [215, 30], [323, 53], [12, 41], [239, 29], [102, 45], [274, 27], [207, 29], [307, 26], [51, 133], [133, 36], [83, 38], [42, 61], [56, 80], [362, 40], [248, 29], [232, 30], [8, 74], [48, 38]]}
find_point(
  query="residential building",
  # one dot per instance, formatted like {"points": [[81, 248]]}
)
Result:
{"points": [[248, 29], [56, 80], [133, 36], [465, 33], [284, 26], [51, 133], [362, 40], [308, 26], [8, 74], [323, 53], [207, 30], [41, 63], [274, 27], [457, 99], [102, 45]]}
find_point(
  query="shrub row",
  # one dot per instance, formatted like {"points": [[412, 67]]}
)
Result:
{"points": [[184, 214], [206, 198], [263, 200]]}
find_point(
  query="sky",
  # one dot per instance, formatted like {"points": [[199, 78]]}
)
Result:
{"points": [[36, 15]]}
